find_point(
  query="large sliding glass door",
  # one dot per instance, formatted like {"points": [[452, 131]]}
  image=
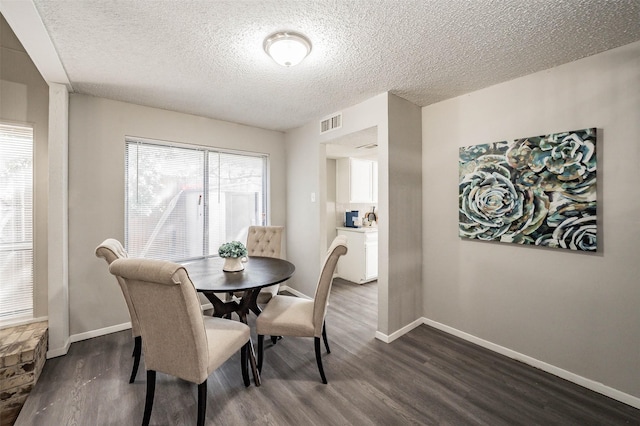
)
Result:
{"points": [[184, 202]]}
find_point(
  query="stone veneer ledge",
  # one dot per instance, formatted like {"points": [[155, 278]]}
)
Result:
{"points": [[22, 356]]}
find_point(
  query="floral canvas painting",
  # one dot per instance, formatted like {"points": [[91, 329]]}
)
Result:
{"points": [[539, 191]]}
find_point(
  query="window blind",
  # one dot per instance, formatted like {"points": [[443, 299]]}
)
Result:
{"points": [[237, 186], [164, 201], [16, 222], [184, 202]]}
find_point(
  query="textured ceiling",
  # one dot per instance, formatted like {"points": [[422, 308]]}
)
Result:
{"points": [[206, 57]]}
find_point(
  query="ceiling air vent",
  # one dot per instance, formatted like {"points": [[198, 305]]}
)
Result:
{"points": [[331, 123]]}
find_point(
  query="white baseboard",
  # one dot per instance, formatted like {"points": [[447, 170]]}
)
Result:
{"points": [[99, 332], [293, 291], [396, 334], [556, 371], [52, 353]]}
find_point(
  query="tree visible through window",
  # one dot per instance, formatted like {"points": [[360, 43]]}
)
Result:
{"points": [[185, 202], [16, 222]]}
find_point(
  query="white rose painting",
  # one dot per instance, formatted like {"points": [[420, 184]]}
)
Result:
{"points": [[538, 191]]}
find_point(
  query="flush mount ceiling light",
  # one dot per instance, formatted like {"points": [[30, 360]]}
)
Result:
{"points": [[287, 48]]}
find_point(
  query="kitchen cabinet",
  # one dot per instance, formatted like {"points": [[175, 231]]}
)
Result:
{"points": [[360, 264], [356, 180]]}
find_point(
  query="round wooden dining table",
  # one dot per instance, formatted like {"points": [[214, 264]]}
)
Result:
{"points": [[208, 278]]}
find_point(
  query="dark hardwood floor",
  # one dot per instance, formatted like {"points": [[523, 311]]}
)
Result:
{"points": [[426, 377]]}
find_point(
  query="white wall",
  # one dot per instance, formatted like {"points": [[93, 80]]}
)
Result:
{"points": [[58, 219], [333, 219], [403, 220], [304, 238], [96, 189], [575, 311], [399, 255], [306, 174]]}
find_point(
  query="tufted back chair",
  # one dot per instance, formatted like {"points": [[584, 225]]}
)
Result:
{"points": [[265, 241]]}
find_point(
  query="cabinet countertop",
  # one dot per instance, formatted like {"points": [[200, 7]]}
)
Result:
{"points": [[361, 229]]}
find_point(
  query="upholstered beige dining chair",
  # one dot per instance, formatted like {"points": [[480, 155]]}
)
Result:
{"points": [[298, 317], [265, 241], [110, 250], [177, 339]]}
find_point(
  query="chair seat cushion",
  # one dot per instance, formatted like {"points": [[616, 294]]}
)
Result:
{"points": [[286, 316], [267, 293], [224, 338]]}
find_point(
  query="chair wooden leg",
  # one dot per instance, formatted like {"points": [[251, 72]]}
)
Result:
{"points": [[244, 359], [202, 402], [260, 351], [316, 341], [324, 337], [137, 352], [151, 389], [274, 339]]}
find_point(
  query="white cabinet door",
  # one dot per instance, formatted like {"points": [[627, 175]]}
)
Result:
{"points": [[343, 177], [360, 264], [356, 180], [361, 181], [371, 260], [351, 266]]}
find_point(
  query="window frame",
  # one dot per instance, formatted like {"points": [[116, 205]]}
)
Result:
{"points": [[207, 150]]}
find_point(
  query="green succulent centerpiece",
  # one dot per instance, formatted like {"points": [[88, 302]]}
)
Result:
{"points": [[233, 249]]}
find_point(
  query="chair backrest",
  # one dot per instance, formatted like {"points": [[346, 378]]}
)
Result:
{"points": [[265, 241], [321, 297], [168, 309], [111, 250]]}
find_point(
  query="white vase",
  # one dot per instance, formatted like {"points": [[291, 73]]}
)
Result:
{"points": [[232, 264]]}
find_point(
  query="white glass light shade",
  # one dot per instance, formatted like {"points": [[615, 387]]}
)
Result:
{"points": [[287, 48]]}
